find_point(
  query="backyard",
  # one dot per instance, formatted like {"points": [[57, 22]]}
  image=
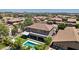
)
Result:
{"points": [[26, 43]]}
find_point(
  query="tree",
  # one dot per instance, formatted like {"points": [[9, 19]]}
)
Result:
{"points": [[17, 45], [28, 22], [15, 30], [3, 30], [1, 17], [21, 26], [6, 40], [77, 19], [48, 40], [61, 26], [77, 25]]}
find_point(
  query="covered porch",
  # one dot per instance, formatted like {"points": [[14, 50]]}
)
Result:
{"points": [[35, 36]]}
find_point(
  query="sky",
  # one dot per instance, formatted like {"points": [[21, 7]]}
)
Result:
{"points": [[42, 10]]}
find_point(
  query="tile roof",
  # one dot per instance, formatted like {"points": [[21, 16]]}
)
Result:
{"points": [[71, 20], [42, 26], [56, 18], [15, 19], [69, 34]]}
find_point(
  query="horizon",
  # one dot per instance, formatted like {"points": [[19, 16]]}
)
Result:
{"points": [[41, 10]]}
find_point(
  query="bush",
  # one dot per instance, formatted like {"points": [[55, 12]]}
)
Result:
{"points": [[40, 47], [17, 45], [49, 22], [78, 19], [61, 26], [1, 17], [48, 40], [7, 41], [77, 25]]}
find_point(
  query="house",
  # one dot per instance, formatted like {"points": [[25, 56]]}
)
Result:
{"points": [[41, 30], [7, 18], [66, 39], [40, 18], [56, 20], [14, 21], [71, 22]]}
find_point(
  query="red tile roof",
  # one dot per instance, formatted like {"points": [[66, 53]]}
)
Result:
{"points": [[41, 26], [71, 20], [56, 18], [69, 34]]}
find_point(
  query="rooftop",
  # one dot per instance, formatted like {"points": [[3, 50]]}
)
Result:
{"points": [[15, 19], [41, 26], [68, 34], [71, 20], [56, 18]]}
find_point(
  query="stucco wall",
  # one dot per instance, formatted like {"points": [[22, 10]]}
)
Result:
{"points": [[37, 31]]}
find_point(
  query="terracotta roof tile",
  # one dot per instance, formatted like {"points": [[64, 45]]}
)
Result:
{"points": [[41, 26], [69, 34], [71, 20]]}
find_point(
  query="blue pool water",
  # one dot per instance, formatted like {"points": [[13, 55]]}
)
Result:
{"points": [[29, 44]]}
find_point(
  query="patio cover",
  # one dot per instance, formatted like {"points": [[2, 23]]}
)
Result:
{"points": [[25, 33]]}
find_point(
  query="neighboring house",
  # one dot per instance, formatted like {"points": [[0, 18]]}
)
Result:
{"points": [[7, 18], [40, 18], [36, 20], [57, 20], [71, 22], [41, 30], [14, 21], [66, 39]]}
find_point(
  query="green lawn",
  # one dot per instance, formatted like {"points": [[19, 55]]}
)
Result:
{"points": [[2, 46]]}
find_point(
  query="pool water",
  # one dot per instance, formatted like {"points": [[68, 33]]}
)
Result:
{"points": [[29, 44]]}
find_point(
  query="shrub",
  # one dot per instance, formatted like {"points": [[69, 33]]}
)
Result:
{"points": [[61, 26], [3, 30], [49, 22], [40, 47], [77, 25], [17, 45], [48, 40]]}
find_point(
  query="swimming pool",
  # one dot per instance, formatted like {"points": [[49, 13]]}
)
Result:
{"points": [[30, 43]]}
